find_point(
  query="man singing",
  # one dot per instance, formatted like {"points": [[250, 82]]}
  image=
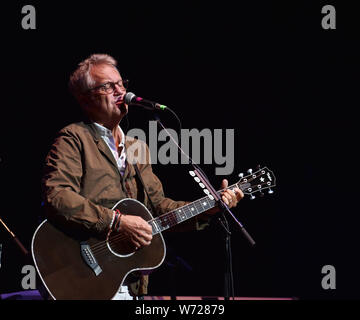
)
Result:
{"points": [[87, 170]]}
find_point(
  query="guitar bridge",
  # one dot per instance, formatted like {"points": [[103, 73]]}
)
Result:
{"points": [[89, 258]]}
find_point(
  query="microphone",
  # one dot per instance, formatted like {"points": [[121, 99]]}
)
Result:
{"points": [[131, 99]]}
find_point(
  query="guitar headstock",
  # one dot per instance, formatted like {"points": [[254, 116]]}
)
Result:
{"points": [[261, 179], [257, 181]]}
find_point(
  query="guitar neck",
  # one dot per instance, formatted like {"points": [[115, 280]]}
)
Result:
{"points": [[186, 212]]}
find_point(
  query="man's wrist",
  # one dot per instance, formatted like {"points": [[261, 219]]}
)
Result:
{"points": [[116, 220]]}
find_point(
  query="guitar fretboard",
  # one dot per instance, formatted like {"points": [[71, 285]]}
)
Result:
{"points": [[186, 212]]}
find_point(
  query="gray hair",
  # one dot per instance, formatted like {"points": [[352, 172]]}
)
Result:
{"points": [[81, 79]]}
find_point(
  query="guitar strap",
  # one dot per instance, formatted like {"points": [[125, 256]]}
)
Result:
{"points": [[142, 182]]}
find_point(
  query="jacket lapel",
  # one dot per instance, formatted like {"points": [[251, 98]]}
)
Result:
{"points": [[129, 170], [102, 146], [104, 149]]}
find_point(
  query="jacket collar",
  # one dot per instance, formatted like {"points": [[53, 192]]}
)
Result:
{"points": [[104, 149]]}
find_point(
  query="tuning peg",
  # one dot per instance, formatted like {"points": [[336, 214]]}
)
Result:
{"points": [[201, 185], [192, 173], [270, 191], [252, 197], [249, 171], [241, 175]]}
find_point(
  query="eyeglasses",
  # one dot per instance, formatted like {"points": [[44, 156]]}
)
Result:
{"points": [[109, 87]]}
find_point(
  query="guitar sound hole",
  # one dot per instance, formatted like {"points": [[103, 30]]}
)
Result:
{"points": [[119, 245]]}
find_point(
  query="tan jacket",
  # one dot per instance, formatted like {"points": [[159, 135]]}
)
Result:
{"points": [[81, 182]]}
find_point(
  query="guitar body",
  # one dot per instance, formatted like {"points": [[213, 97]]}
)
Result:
{"points": [[81, 267], [92, 268]]}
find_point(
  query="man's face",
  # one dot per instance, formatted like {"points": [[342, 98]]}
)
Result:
{"points": [[102, 106]]}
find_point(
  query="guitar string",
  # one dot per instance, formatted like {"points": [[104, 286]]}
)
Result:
{"points": [[102, 246], [171, 216], [122, 237]]}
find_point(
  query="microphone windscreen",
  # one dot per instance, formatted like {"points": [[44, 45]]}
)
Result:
{"points": [[128, 97]]}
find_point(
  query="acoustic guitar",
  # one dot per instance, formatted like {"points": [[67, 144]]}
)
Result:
{"points": [[92, 268]]}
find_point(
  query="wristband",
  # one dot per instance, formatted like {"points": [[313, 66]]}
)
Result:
{"points": [[112, 221], [116, 225]]}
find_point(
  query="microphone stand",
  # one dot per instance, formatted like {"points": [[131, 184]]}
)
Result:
{"points": [[16, 240], [228, 275], [13, 236]]}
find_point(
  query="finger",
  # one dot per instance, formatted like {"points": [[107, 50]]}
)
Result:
{"points": [[224, 184], [147, 237], [143, 234], [149, 229], [145, 242], [234, 199], [136, 243], [144, 231], [226, 200], [230, 195], [239, 194], [144, 227]]}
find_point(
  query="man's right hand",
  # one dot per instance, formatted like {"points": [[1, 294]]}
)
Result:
{"points": [[136, 229]]}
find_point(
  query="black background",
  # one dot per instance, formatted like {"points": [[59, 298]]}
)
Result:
{"points": [[268, 70]]}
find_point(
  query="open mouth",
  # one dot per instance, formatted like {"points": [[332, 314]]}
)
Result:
{"points": [[119, 101]]}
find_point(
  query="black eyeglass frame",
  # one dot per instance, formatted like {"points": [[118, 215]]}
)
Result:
{"points": [[123, 83]]}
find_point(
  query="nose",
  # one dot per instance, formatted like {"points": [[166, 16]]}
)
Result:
{"points": [[119, 89]]}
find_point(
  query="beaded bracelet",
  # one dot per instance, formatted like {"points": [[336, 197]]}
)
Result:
{"points": [[116, 224]]}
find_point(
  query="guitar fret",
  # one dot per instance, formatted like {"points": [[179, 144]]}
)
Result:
{"points": [[192, 210], [198, 206], [181, 214], [199, 203], [173, 218], [177, 218], [205, 204], [164, 222], [209, 203], [188, 211], [212, 202], [154, 226]]}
